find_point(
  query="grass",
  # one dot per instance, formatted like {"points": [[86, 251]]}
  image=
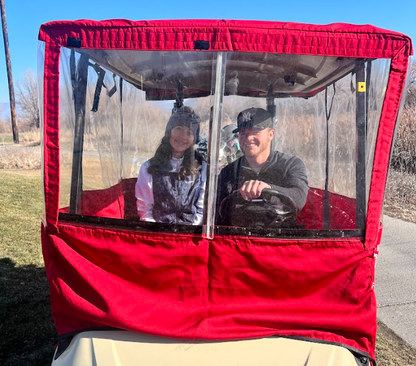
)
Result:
{"points": [[19, 157], [391, 350], [25, 155], [21, 210], [26, 327], [400, 197], [30, 137], [6, 138]]}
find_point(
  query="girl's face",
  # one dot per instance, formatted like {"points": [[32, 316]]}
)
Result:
{"points": [[181, 139]]}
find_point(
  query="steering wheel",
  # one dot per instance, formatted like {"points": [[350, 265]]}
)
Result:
{"points": [[273, 209]]}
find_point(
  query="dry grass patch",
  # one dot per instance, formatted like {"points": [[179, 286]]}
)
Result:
{"points": [[391, 350], [31, 137], [400, 196], [404, 152], [25, 138], [20, 157]]}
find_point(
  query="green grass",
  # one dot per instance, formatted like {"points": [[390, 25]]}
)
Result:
{"points": [[26, 327], [6, 138], [24, 137]]}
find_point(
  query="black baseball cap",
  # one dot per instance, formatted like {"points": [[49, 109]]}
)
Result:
{"points": [[257, 118]]}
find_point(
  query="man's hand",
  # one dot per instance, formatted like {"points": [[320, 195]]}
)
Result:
{"points": [[252, 189]]}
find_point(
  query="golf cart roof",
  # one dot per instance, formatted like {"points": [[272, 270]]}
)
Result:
{"points": [[257, 74], [285, 59]]}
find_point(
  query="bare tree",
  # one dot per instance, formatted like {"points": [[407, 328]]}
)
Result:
{"points": [[5, 126], [27, 100]]}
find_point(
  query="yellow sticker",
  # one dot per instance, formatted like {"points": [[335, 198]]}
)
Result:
{"points": [[361, 86]]}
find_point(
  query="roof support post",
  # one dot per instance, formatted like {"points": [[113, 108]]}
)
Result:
{"points": [[214, 143], [271, 108], [361, 124], [326, 210], [80, 93]]}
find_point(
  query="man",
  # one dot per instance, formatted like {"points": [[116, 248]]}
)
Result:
{"points": [[260, 167]]}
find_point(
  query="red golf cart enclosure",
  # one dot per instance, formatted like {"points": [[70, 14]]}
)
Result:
{"points": [[335, 92]]}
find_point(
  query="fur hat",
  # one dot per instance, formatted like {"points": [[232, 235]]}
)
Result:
{"points": [[184, 116]]}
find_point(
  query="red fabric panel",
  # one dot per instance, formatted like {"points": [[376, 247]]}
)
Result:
{"points": [[119, 202], [186, 287], [107, 202], [399, 66], [230, 35], [312, 214], [130, 208], [342, 214], [116, 202], [51, 131]]}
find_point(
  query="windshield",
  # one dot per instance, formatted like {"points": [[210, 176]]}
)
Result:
{"points": [[172, 137]]}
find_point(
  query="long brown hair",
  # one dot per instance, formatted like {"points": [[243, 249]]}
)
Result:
{"points": [[163, 155]]}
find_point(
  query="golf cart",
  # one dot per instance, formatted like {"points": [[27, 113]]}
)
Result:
{"points": [[257, 290]]}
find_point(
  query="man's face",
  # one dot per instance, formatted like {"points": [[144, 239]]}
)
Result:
{"points": [[255, 142]]}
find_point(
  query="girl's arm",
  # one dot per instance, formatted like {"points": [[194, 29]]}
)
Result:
{"points": [[200, 203], [144, 194]]}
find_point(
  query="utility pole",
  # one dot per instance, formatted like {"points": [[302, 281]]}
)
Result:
{"points": [[9, 73]]}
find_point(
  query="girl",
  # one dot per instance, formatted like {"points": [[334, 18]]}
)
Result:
{"points": [[170, 186]]}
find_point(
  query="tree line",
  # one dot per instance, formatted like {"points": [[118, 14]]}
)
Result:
{"points": [[404, 152], [27, 105]]}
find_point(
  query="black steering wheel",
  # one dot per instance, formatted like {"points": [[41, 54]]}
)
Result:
{"points": [[273, 209]]}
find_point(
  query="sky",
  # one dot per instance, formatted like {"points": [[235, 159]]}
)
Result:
{"points": [[25, 17]]}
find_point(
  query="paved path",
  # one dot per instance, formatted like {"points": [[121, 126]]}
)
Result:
{"points": [[396, 278]]}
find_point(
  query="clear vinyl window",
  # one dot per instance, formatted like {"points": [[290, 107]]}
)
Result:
{"points": [[252, 143]]}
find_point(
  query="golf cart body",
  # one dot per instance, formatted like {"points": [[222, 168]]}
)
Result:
{"points": [[129, 287]]}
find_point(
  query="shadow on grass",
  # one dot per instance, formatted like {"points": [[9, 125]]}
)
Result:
{"points": [[27, 331]]}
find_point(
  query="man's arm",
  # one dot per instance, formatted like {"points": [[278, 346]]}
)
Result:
{"points": [[226, 180], [296, 182], [252, 189]]}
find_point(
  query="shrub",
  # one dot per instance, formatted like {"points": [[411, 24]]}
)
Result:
{"points": [[404, 152], [20, 157]]}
